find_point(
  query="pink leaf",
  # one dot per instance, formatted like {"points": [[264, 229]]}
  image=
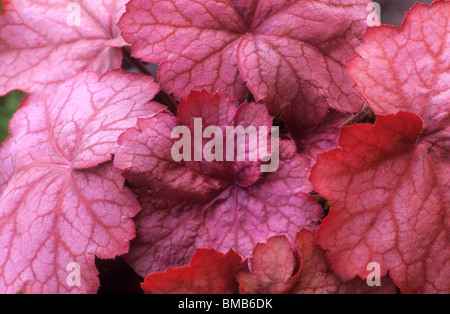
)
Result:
{"points": [[42, 43], [408, 70], [209, 272], [193, 204], [290, 53], [195, 42], [298, 82], [65, 203], [390, 205], [7, 163]]}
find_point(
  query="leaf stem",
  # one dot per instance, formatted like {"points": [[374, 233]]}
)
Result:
{"points": [[162, 96], [364, 116]]}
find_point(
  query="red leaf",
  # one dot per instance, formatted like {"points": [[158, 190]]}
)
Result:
{"points": [[390, 205], [408, 70], [210, 272], [190, 205], [64, 202], [39, 48], [274, 269], [290, 53]]}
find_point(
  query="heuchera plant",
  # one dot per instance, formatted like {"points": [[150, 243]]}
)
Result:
{"points": [[348, 193]]}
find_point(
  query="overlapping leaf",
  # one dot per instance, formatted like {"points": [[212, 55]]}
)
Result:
{"points": [[209, 272], [316, 276], [44, 42], [292, 54], [190, 205], [390, 206], [277, 268], [64, 203], [397, 189], [274, 268], [410, 70]]}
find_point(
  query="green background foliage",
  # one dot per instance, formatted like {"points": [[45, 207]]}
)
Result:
{"points": [[8, 105]]}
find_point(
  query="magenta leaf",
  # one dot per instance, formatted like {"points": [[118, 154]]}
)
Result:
{"points": [[390, 205], [220, 205], [45, 42], [292, 54], [64, 203]]}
